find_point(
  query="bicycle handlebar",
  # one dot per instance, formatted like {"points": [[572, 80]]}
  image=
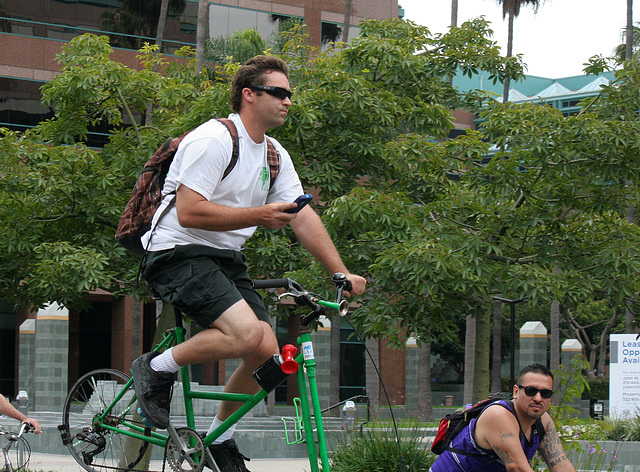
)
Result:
{"points": [[274, 283], [304, 298], [24, 428]]}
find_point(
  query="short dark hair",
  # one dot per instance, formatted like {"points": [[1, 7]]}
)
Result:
{"points": [[534, 369], [253, 72]]}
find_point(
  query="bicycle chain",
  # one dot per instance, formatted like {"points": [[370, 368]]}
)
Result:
{"points": [[120, 469], [187, 435]]}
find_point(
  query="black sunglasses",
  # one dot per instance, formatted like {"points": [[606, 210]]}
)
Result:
{"points": [[532, 391], [277, 92]]}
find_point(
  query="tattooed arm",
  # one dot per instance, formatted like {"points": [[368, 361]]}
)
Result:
{"points": [[551, 448], [498, 429]]}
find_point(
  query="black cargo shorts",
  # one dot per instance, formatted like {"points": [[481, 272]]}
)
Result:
{"points": [[202, 282]]}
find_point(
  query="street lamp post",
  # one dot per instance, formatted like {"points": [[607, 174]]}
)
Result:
{"points": [[513, 304]]}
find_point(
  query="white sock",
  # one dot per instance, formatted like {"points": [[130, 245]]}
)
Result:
{"points": [[165, 362], [224, 436]]}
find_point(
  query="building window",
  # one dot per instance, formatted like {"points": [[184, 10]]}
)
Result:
{"points": [[353, 379]]}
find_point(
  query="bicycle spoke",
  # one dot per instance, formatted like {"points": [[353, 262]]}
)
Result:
{"points": [[87, 419]]}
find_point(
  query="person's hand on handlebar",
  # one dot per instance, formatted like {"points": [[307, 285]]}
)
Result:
{"points": [[358, 285], [34, 424]]}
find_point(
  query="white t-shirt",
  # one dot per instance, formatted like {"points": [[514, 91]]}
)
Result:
{"points": [[200, 161]]}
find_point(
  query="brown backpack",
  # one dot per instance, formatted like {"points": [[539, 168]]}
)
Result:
{"points": [[147, 192]]}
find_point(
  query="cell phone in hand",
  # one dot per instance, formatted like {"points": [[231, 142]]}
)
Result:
{"points": [[301, 201]]}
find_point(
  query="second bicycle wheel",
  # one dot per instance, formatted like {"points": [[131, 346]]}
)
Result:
{"points": [[94, 447]]}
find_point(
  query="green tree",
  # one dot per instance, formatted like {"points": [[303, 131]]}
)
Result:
{"points": [[592, 323], [237, 48], [439, 225], [62, 198]]}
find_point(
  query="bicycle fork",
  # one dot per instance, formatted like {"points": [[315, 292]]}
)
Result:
{"points": [[8, 467], [308, 359]]}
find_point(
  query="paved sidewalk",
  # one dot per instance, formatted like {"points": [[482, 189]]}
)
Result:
{"points": [[66, 463]]}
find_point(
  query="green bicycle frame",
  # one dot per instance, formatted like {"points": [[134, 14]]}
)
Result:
{"points": [[309, 398]]}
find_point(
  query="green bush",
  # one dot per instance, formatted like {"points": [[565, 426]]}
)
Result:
{"points": [[598, 389], [377, 451], [506, 385], [633, 428], [615, 428]]}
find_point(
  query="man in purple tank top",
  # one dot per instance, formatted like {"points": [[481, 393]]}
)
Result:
{"points": [[507, 434]]}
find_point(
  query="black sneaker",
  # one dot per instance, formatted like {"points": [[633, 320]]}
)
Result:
{"points": [[228, 458], [153, 390]]}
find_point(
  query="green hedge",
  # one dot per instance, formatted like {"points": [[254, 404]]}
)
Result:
{"points": [[599, 389]]}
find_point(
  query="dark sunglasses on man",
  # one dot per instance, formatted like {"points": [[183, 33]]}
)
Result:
{"points": [[277, 92], [533, 391]]}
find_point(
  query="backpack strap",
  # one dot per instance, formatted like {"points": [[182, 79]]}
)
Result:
{"points": [[491, 454], [273, 156], [273, 159], [537, 425], [233, 131]]}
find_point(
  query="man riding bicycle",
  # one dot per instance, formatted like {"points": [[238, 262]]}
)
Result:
{"points": [[195, 260]]}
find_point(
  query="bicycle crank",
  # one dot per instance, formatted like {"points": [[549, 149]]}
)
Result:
{"points": [[185, 450]]}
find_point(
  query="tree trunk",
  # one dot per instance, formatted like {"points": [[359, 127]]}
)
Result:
{"points": [[629, 315], [162, 21], [629, 31], [554, 336], [165, 320], [554, 328], [482, 360], [454, 22], [496, 357], [201, 32], [347, 20], [507, 81], [425, 399], [454, 12], [469, 359], [604, 342]]}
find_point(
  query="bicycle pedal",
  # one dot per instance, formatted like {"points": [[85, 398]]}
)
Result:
{"points": [[144, 419]]}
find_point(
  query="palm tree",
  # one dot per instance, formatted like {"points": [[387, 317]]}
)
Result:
{"points": [[628, 35], [201, 31], [511, 8], [162, 22], [454, 12], [239, 47], [347, 20], [629, 30]]}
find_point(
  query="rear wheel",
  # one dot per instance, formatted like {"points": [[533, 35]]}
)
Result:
{"points": [[94, 447]]}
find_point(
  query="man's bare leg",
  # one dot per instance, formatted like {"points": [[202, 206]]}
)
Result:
{"points": [[241, 381]]}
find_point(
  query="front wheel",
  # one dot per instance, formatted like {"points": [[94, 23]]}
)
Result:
{"points": [[89, 409]]}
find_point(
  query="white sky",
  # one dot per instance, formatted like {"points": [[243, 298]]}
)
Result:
{"points": [[555, 42]]}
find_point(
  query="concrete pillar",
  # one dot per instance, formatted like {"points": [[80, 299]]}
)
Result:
{"points": [[571, 348], [533, 344], [27, 359], [51, 354], [412, 371], [372, 380]]}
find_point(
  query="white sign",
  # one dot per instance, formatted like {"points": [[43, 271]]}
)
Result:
{"points": [[624, 375]]}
